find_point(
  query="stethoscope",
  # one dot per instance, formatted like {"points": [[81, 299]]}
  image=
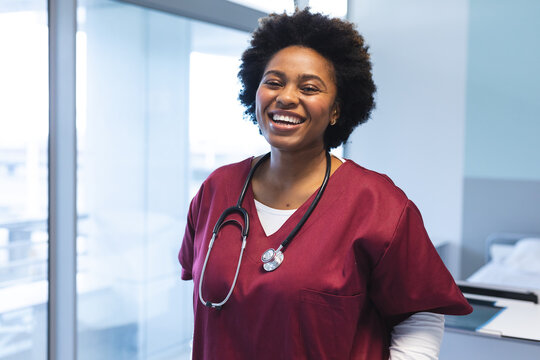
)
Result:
{"points": [[271, 258]]}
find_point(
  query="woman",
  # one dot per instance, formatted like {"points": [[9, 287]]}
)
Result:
{"points": [[354, 274]]}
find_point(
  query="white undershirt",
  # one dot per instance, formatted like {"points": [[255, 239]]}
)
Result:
{"points": [[271, 219], [419, 337]]}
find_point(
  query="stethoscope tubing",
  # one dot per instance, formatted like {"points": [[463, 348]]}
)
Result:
{"points": [[312, 206], [245, 229], [221, 303]]}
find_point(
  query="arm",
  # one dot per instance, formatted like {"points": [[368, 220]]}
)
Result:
{"points": [[419, 337], [185, 255]]}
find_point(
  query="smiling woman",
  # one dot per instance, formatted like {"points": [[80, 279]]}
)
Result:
{"points": [[358, 276], [342, 48], [296, 99]]}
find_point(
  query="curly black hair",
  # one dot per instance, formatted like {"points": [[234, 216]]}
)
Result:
{"points": [[337, 41]]}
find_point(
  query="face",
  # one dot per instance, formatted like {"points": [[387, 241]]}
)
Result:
{"points": [[296, 99]]}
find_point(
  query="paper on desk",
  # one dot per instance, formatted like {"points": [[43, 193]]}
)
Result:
{"points": [[520, 319]]}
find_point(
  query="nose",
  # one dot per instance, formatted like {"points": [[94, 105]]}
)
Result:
{"points": [[287, 97]]}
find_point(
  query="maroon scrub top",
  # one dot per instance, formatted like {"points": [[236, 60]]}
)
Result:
{"points": [[360, 264]]}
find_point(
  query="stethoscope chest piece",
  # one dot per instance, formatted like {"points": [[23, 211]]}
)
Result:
{"points": [[272, 259]]}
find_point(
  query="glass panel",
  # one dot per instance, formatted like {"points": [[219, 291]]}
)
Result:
{"points": [[218, 132], [277, 6], [335, 8], [23, 179], [154, 94]]}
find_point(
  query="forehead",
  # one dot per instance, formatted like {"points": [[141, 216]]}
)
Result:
{"points": [[301, 60]]}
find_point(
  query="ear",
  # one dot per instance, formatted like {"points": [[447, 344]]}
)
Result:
{"points": [[334, 115]]}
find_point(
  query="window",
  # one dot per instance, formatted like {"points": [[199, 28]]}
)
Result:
{"points": [[23, 180], [337, 8], [157, 111], [277, 6]]}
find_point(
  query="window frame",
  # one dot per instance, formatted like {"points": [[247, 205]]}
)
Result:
{"points": [[62, 219]]}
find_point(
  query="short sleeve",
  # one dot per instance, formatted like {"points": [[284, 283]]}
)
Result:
{"points": [[411, 277], [185, 256]]}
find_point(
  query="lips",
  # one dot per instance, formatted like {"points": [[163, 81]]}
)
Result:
{"points": [[287, 119]]}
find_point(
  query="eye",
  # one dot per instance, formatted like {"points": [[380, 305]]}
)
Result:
{"points": [[310, 89], [272, 83]]}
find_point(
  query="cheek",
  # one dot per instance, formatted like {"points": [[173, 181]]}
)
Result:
{"points": [[258, 101], [262, 100], [258, 109], [321, 109]]}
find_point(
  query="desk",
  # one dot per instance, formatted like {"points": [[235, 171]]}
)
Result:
{"points": [[466, 345], [510, 331]]}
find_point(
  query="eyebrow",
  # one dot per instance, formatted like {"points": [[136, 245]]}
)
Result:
{"points": [[302, 77]]}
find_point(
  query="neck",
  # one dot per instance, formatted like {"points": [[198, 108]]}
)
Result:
{"points": [[291, 167], [288, 179]]}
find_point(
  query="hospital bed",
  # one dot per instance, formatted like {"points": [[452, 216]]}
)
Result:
{"points": [[504, 293], [512, 260]]}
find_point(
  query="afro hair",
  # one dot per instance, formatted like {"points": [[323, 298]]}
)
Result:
{"points": [[333, 38]]}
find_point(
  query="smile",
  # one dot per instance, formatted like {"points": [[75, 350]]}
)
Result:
{"points": [[285, 119]]}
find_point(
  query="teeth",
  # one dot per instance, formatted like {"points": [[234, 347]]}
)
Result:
{"points": [[289, 119]]}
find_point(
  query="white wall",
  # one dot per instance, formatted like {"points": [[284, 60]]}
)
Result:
{"points": [[416, 133]]}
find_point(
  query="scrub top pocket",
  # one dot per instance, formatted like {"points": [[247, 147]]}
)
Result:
{"points": [[326, 323]]}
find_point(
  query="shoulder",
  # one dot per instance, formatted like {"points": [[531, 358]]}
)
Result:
{"points": [[362, 180], [221, 185], [227, 178], [230, 172]]}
